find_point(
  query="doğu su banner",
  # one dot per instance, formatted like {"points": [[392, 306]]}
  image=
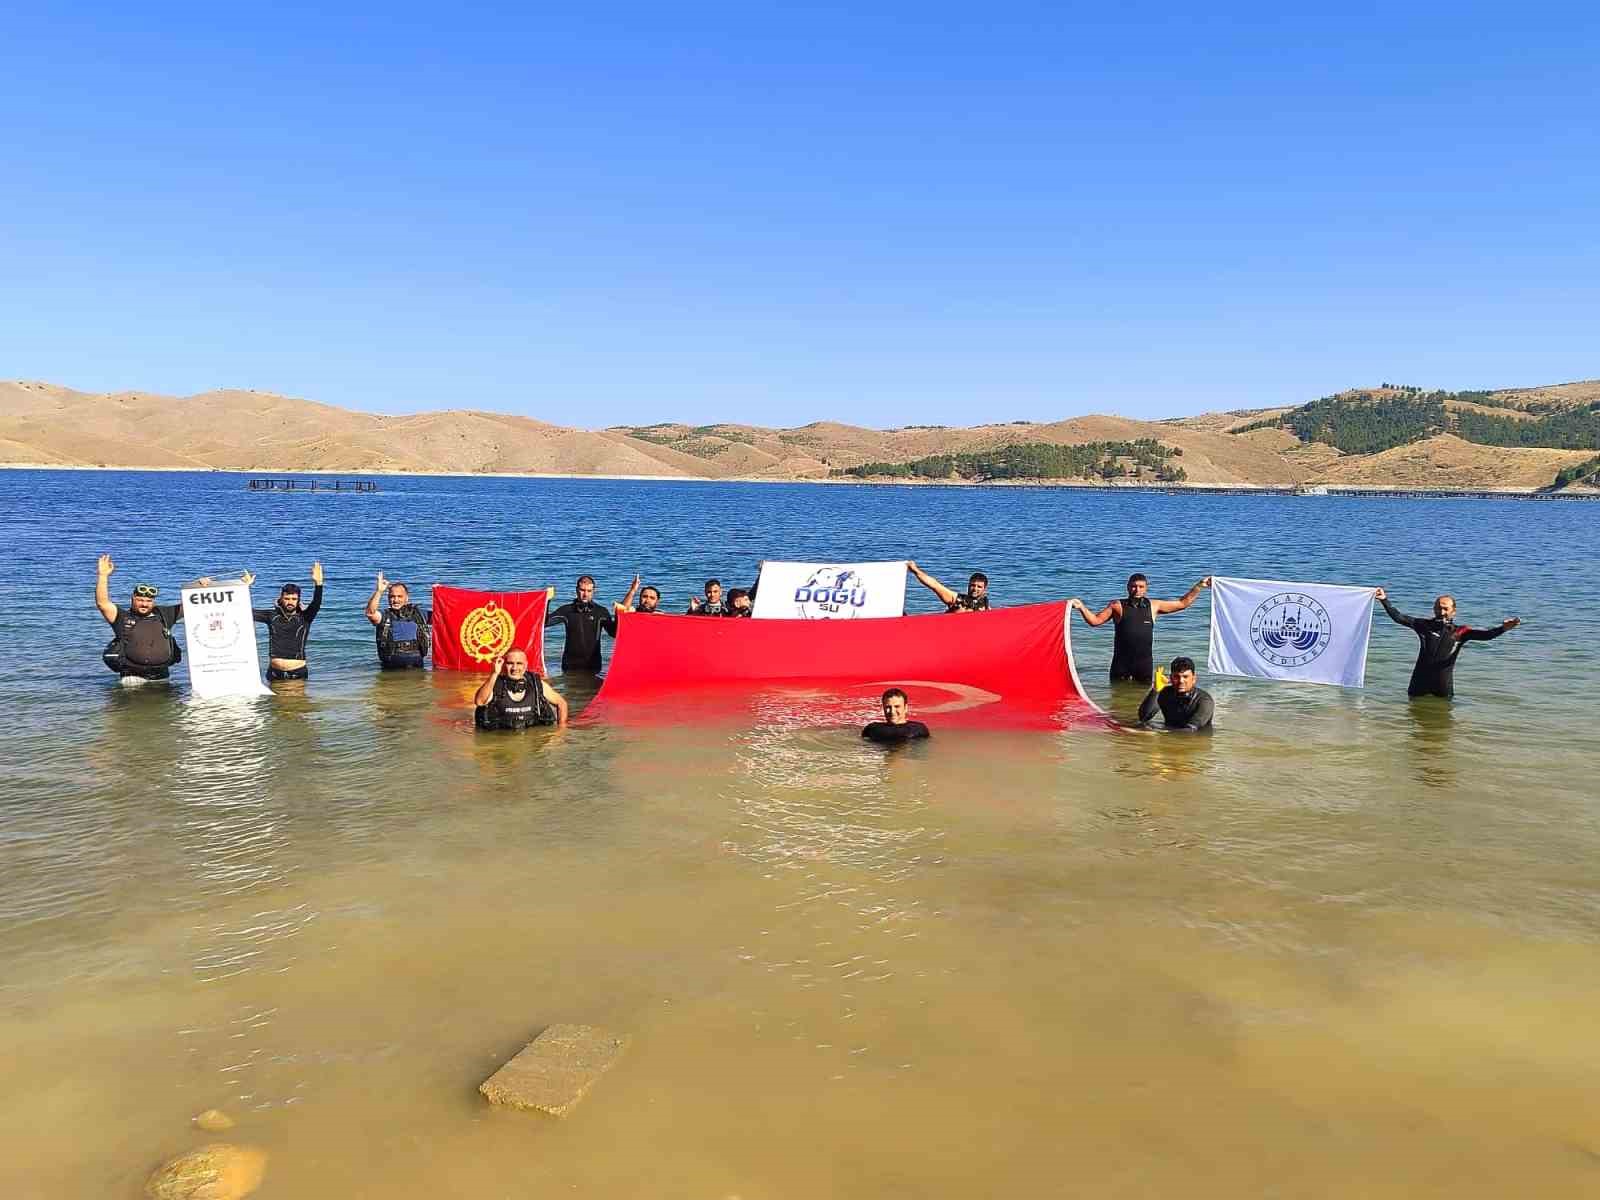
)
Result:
{"points": [[471, 629]]}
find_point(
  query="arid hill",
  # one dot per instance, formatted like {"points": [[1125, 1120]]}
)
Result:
{"points": [[48, 425]]}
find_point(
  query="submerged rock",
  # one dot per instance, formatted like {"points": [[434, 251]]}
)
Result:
{"points": [[552, 1072], [215, 1172], [213, 1120]]}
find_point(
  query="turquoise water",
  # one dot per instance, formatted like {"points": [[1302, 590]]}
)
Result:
{"points": [[1346, 946]]}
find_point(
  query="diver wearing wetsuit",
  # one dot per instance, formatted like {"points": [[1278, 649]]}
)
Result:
{"points": [[712, 605], [1133, 647], [288, 625], [1442, 641], [1184, 708], [518, 698], [584, 620], [402, 629], [895, 727], [974, 599], [142, 645]]}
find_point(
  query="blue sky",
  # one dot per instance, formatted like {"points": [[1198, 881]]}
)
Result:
{"points": [[882, 214]]}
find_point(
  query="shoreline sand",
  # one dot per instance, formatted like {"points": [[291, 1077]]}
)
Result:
{"points": [[1241, 489]]}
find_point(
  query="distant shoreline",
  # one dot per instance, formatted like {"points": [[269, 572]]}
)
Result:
{"points": [[1243, 489]]}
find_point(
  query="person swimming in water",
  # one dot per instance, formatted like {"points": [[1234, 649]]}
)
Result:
{"points": [[1184, 708], [896, 725], [142, 645], [403, 628], [1441, 642], [288, 625], [513, 697], [974, 599], [1133, 647]]}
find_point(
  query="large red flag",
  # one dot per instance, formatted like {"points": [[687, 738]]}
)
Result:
{"points": [[1006, 666], [471, 629]]}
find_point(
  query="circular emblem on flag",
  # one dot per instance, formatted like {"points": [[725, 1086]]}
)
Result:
{"points": [[831, 592], [1290, 629], [215, 632], [487, 632]]}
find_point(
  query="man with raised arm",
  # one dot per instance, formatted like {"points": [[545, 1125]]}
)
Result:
{"points": [[974, 599], [514, 697], [1442, 641], [402, 627], [585, 621], [142, 645], [712, 604], [288, 625], [1184, 708], [1133, 648]]}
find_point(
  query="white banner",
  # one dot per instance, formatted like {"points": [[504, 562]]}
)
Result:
{"points": [[830, 591], [1304, 632], [221, 636]]}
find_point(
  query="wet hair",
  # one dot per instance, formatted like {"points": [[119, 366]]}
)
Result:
{"points": [[711, 583], [1181, 664], [978, 577], [1137, 578], [736, 594], [583, 579], [892, 693]]}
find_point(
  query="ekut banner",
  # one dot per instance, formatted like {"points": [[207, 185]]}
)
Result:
{"points": [[471, 629], [830, 591], [1304, 632]]}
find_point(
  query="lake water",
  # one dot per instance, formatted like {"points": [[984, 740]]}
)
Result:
{"points": [[1347, 946]]}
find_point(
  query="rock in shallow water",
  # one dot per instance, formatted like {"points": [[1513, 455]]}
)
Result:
{"points": [[552, 1072], [215, 1172], [213, 1120]]}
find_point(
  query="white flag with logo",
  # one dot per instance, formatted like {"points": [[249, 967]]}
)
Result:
{"points": [[221, 634], [830, 591], [1304, 632]]}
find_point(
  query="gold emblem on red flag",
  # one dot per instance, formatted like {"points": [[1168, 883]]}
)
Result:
{"points": [[487, 632]]}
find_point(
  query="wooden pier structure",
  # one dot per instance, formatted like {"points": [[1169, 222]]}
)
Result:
{"points": [[280, 484]]}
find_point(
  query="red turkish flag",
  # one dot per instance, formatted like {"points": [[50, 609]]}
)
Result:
{"points": [[471, 629]]}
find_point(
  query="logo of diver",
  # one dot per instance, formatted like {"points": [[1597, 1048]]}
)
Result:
{"points": [[831, 592], [1290, 629]]}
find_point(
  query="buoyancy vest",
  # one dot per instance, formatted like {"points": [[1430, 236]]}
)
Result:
{"points": [[403, 636], [145, 640], [504, 712]]}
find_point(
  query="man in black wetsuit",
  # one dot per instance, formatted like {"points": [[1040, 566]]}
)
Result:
{"points": [[894, 727], [649, 598], [515, 698], [712, 605], [974, 599], [1442, 642], [739, 603], [288, 625], [1184, 707], [142, 645], [1133, 648], [585, 620], [402, 628]]}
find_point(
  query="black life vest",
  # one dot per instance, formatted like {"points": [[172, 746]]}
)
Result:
{"points": [[144, 639], [403, 636], [503, 712]]}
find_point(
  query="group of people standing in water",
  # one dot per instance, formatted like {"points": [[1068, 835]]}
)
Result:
{"points": [[514, 696]]}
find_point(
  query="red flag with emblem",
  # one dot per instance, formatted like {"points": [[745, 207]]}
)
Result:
{"points": [[471, 629]]}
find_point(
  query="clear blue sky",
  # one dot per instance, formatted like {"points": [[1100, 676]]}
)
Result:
{"points": [[884, 213]]}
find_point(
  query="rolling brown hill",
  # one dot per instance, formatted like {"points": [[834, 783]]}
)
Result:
{"points": [[48, 425]]}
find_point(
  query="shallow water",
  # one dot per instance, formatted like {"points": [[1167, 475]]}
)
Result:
{"points": [[1347, 946]]}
